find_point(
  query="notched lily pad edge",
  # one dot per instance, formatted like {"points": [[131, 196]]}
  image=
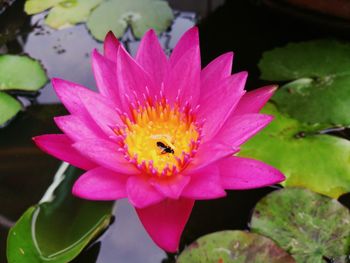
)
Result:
{"points": [[22, 92], [19, 110]]}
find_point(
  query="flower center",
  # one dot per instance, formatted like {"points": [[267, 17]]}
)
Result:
{"points": [[161, 139]]}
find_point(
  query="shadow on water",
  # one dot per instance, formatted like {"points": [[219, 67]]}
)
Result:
{"points": [[242, 26]]}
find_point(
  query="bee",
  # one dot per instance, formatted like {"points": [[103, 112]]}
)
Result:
{"points": [[165, 148], [165, 143]]}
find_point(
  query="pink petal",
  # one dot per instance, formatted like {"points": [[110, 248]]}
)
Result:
{"points": [[140, 193], [205, 184], [106, 154], [75, 128], [242, 173], [60, 146], [183, 79], [102, 112], [188, 41], [217, 105], [151, 57], [253, 101], [238, 129], [100, 184], [133, 81], [171, 187], [68, 93], [105, 73], [111, 46], [209, 153], [215, 71], [165, 221]]}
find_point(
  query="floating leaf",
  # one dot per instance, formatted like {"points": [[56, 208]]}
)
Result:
{"points": [[310, 226], [32, 7], [140, 15], [234, 246], [9, 107], [59, 227], [321, 92], [318, 162], [64, 13], [21, 73], [69, 13]]}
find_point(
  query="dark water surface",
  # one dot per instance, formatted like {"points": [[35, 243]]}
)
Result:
{"points": [[25, 172]]}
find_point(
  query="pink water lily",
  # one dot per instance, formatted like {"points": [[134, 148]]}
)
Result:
{"points": [[160, 132]]}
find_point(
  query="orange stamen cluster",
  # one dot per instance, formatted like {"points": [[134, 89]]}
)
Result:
{"points": [[160, 139]]}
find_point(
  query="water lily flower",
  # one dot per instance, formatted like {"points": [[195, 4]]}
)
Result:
{"points": [[160, 132]]}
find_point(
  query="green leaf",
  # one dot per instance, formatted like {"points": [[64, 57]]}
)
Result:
{"points": [[32, 7], [9, 107], [321, 90], [234, 246], [63, 13], [21, 73], [310, 226], [318, 162], [311, 59], [140, 15], [57, 229], [71, 12]]}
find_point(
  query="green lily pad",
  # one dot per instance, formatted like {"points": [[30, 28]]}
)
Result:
{"points": [[21, 73], [140, 15], [32, 7], [321, 90], [234, 246], [307, 159], [309, 226], [9, 107], [63, 13], [69, 13], [57, 229]]}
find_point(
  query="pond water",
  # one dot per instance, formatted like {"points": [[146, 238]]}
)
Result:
{"points": [[245, 27]]}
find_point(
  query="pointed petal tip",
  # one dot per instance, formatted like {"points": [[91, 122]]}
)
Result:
{"points": [[193, 30], [111, 45], [244, 74], [110, 36], [280, 178], [150, 32], [240, 173], [56, 83], [267, 118], [166, 221], [59, 84], [95, 54], [229, 55], [96, 57], [110, 41], [189, 40], [40, 140], [270, 88], [276, 178], [35, 139]]}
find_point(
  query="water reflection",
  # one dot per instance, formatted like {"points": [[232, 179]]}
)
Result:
{"points": [[128, 240], [66, 53]]}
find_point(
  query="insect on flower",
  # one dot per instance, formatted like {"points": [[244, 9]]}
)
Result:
{"points": [[160, 132]]}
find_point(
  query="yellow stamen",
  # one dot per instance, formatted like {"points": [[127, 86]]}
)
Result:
{"points": [[161, 137]]}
